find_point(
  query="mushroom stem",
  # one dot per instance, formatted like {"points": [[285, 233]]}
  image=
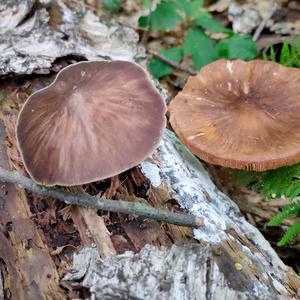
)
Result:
{"points": [[119, 206]]}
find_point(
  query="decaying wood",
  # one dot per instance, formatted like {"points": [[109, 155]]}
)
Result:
{"points": [[98, 231], [91, 227], [31, 273], [166, 273], [224, 226], [232, 255]]}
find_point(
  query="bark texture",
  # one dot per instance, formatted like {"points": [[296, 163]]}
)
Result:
{"points": [[166, 274], [29, 270], [233, 260], [31, 45]]}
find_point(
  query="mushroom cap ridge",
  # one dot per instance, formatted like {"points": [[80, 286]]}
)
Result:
{"points": [[95, 120], [243, 115]]}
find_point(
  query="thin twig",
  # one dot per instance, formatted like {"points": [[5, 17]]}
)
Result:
{"points": [[171, 62], [263, 23], [119, 206]]}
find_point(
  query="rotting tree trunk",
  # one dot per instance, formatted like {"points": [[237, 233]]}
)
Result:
{"points": [[233, 255], [29, 272], [167, 274]]}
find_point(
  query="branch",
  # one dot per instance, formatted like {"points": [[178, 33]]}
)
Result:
{"points": [[171, 62], [264, 22], [118, 206]]}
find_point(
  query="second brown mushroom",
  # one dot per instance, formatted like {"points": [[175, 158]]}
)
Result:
{"points": [[96, 120], [239, 114]]}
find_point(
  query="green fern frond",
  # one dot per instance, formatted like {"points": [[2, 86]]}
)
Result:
{"points": [[276, 183], [285, 54], [272, 54], [246, 178], [284, 181], [264, 55], [289, 211], [289, 54], [294, 47], [290, 234]]}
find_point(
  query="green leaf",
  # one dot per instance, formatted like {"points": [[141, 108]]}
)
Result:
{"points": [[283, 181], [146, 3], [207, 22], [190, 8], [164, 17], [200, 47], [158, 68], [274, 183], [288, 211], [144, 21], [237, 46], [290, 234], [112, 5]]}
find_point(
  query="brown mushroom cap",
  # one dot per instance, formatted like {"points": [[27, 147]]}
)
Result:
{"points": [[97, 119], [243, 115]]}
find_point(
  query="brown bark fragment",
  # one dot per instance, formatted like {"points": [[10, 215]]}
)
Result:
{"points": [[30, 269], [80, 224], [99, 232]]}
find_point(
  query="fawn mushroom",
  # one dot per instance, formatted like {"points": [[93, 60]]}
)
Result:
{"points": [[239, 114], [97, 119]]}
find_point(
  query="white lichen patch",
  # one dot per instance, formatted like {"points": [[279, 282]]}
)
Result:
{"points": [[151, 171], [194, 189]]}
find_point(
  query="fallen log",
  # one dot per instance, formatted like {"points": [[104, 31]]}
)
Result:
{"points": [[189, 271]]}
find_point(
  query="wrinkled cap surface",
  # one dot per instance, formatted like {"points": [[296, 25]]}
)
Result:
{"points": [[243, 115], [96, 120]]}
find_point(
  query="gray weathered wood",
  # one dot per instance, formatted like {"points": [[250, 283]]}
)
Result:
{"points": [[190, 271], [32, 46], [234, 257]]}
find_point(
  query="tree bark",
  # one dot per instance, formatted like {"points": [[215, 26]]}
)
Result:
{"points": [[189, 271], [233, 259]]}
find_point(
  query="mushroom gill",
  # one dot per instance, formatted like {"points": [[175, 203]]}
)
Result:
{"points": [[96, 120]]}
